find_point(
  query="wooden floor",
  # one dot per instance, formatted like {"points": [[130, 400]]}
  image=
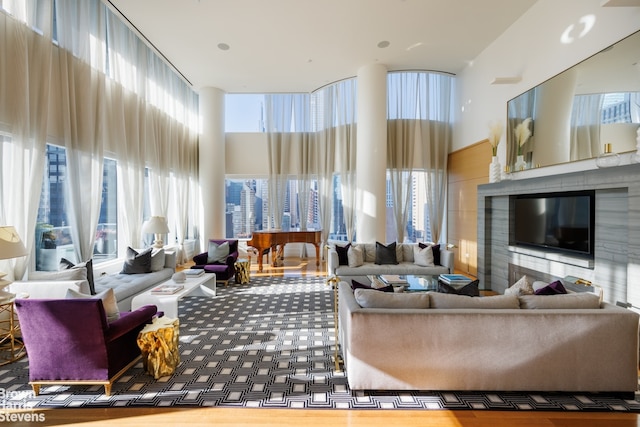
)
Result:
{"points": [[296, 417]]}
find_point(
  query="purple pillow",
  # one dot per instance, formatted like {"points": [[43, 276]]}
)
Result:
{"points": [[436, 252], [553, 288], [342, 251], [357, 285]]}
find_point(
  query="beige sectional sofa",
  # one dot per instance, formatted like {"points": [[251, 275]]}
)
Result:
{"points": [[405, 257], [499, 343]]}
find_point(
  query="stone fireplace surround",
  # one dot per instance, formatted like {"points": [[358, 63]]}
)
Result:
{"points": [[616, 263]]}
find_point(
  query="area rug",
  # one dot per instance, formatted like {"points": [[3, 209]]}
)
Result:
{"points": [[269, 344]]}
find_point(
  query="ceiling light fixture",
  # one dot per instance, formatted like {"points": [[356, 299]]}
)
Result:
{"points": [[223, 46], [383, 44]]}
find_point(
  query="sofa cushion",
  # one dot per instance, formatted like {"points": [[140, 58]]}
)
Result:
{"points": [[560, 301], [521, 287], [439, 300], [218, 252], [423, 256], [137, 263], [65, 264], [355, 256], [108, 301], [386, 254], [470, 289], [369, 298], [342, 254], [357, 285], [553, 288]]}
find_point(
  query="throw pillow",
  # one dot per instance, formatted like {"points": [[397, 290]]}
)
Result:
{"points": [[423, 256], [357, 285], [521, 287], [553, 288], [355, 256], [65, 264], [157, 259], [436, 252], [108, 301], [470, 289], [386, 254], [343, 259], [137, 263], [218, 253], [367, 298], [561, 301]]}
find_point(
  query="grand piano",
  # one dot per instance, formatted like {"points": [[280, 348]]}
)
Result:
{"points": [[276, 239]]}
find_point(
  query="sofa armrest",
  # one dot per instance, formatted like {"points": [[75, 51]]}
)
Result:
{"points": [[447, 259], [332, 261], [48, 289], [231, 259], [129, 321], [201, 259], [170, 258]]}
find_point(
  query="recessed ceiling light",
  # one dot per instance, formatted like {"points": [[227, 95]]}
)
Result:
{"points": [[223, 46], [383, 44]]}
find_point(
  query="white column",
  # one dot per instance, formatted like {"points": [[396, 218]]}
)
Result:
{"points": [[212, 165], [371, 160]]}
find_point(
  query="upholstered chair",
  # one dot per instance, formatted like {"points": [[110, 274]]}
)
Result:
{"points": [[219, 259], [70, 341]]}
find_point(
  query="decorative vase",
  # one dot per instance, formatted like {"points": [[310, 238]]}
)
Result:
{"points": [[520, 163], [506, 173], [494, 170], [608, 158]]}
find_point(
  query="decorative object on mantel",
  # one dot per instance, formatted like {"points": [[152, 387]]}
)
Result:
{"points": [[608, 158], [495, 134], [522, 135]]}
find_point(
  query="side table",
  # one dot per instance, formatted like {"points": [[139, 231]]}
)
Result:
{"points": [[11, 346], [243, 268], [158, 344]]}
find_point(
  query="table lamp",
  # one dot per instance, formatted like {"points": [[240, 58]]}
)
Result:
{"points": [[10, 247], [156, 225]]}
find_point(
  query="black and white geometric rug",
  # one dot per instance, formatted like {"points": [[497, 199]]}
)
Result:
{"points": [[269, 344]]}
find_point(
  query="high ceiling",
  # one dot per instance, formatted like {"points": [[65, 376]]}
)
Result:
{"points": [[301, 45]]}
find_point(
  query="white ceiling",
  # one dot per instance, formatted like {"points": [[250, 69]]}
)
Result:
{"points": [[301, 45]]}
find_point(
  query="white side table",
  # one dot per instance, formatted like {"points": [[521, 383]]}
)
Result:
{"points": [[204, 285]]}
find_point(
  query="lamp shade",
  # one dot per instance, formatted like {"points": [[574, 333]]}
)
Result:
{"points": [[156, 225], [10, 244]]}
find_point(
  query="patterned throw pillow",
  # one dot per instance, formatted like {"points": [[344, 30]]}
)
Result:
{"points": [[521, 287]]}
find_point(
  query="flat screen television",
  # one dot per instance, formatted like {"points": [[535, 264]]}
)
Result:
{"points": [[558, 222]]}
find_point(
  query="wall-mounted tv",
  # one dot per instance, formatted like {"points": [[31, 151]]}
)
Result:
{"points": [[558, 222]]}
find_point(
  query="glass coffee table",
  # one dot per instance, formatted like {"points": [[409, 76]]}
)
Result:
{"points": [[411, 283]]}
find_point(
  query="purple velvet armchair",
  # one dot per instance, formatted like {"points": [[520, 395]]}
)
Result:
{"points": [[224, 268], [69, 341]]}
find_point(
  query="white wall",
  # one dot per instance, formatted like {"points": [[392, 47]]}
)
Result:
{"points": [[532, 48]]}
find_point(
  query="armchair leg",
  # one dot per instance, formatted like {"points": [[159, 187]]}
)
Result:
{"points": [[36, 389], [107, 389]]}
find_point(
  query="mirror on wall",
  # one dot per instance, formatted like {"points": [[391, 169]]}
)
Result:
{"points": [[575, 113]]}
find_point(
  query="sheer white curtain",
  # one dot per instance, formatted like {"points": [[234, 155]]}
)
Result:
{"points": [[586, 117], [25, 77], [288, 131], [419, 137], [403, 108], [335, 136]]}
